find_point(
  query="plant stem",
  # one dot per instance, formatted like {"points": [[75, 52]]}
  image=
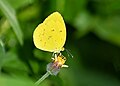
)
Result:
{"points": [[42, 78]]}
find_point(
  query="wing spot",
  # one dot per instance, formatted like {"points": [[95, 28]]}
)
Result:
{"points": [[49, 37], [52, 30], [60, 30]]}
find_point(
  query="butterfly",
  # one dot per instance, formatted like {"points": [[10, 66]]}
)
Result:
{"points": [[51, 36]]}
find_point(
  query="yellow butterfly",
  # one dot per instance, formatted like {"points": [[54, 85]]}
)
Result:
{"points": [[51, 36]]}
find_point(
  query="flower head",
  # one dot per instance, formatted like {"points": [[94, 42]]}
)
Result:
{"points": [[58, 62]]}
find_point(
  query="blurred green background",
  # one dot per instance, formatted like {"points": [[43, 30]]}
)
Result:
{"points": [[93, 38]]}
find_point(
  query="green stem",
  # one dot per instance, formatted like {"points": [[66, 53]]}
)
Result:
{"points": [[42, 78]]}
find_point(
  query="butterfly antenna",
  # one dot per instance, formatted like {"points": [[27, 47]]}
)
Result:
{"points": [[68, 52]]}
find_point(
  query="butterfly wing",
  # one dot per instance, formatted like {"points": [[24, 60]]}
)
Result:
{"points": [[51, 34]]}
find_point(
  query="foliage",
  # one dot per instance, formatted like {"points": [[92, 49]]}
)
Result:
{"points": [[93, 37]]}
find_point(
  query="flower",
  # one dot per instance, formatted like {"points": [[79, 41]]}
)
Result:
{"points": [[58, 62]]}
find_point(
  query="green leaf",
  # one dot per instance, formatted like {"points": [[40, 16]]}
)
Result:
{"points": [[108, 29], [9, 81], [83, 24], [72, 8], [19, 3], [2, 53], [68, 8], [108, 7], [10, 14], [14, 66], [2, 49]]}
